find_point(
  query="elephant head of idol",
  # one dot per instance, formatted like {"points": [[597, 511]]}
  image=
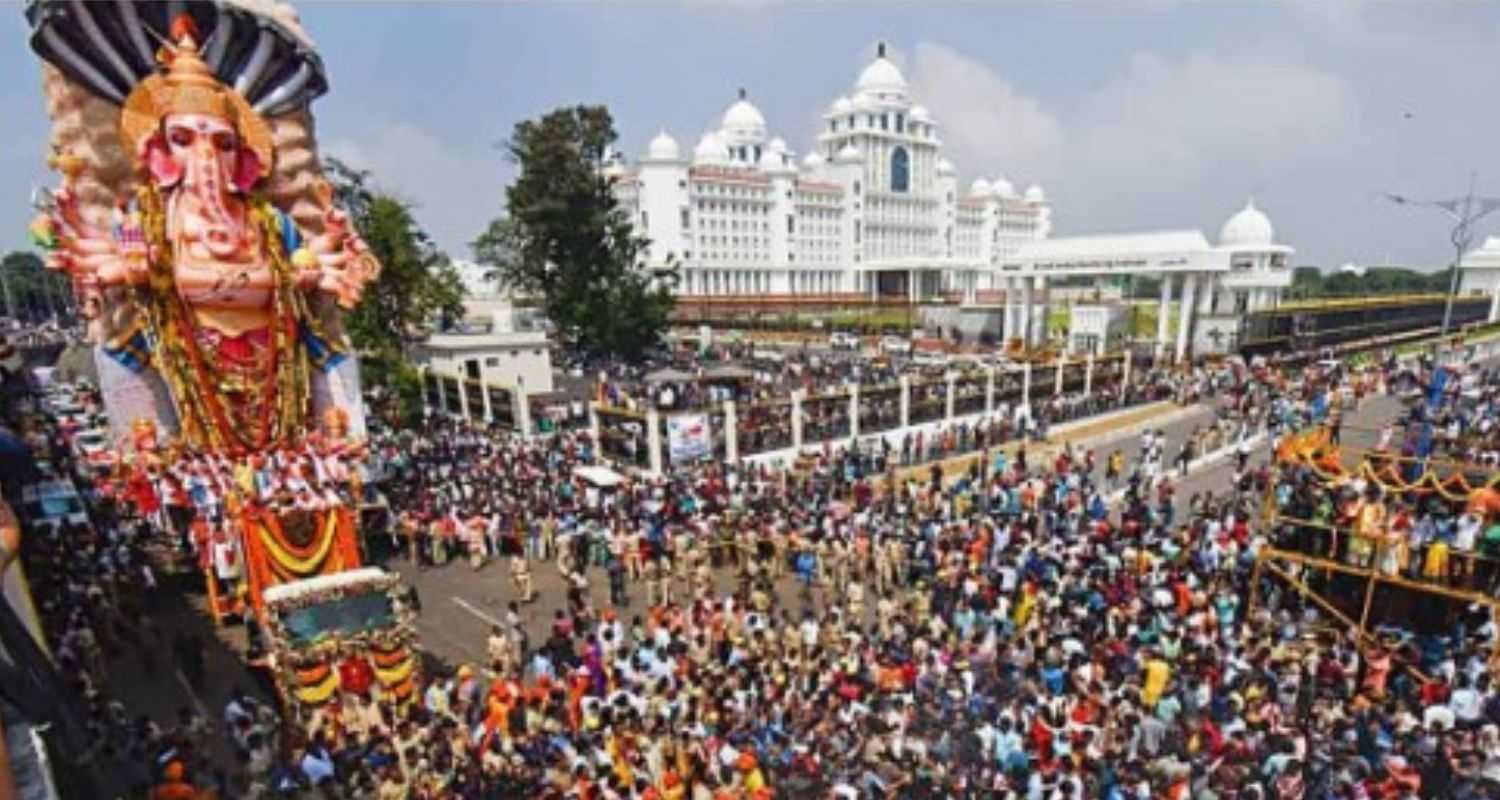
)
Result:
{"points": [[199, 143]]}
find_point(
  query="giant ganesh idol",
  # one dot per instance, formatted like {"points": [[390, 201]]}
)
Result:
{"points": [[194, 225]]}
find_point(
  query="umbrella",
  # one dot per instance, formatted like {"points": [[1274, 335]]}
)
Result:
{"points": [[728, 372], [667, 375]]}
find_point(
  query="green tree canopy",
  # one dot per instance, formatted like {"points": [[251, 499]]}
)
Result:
{"points": [[417, 283], [567, 243], [29, 291]]}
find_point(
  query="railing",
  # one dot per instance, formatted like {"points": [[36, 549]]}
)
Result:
{"points": [[754, 427]]}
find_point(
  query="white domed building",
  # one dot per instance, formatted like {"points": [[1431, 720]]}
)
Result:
{"points": [[1210, 287], [871, 209]]}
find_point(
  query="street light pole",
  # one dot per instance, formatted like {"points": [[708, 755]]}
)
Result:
{"points": [[1464, 211]]}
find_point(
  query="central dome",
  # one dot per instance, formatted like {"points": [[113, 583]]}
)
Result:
{"points": [[1250, 227], [743, 123], [881, 77]]}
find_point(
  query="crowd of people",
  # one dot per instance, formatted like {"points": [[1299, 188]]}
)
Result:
{"points": [[1046, 624]]}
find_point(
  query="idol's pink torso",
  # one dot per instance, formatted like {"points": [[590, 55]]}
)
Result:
{"points": [[228, 288]]}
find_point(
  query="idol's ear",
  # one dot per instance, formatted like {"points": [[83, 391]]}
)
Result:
{"points": [[165, 169], [247, 170]]}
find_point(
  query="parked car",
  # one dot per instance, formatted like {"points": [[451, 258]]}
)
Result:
{"points": [[93, 450], [895, 345], [843, 340], [52, 502]]}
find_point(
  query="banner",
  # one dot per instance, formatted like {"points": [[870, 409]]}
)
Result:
{"points": [[688, 438]]}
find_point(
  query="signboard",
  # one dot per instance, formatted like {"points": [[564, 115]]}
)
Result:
{"points": [[688, 438]]}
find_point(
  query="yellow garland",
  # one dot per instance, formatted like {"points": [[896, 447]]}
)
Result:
{"points": [[390, 677], [319, 693], [291, 563]]}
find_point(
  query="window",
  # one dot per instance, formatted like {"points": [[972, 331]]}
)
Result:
{"points": [[856, 231], [856, 191], [492, 361], [833, 126], [791, 224], [869, 120], [900, 170], [851, 122], [686, 219], [885, 121]]}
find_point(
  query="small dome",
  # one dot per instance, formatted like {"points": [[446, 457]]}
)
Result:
{"points": [[770, 160], [945, 167], [980, 187], [813, 160], [843, 105], [743, 123], [1250, 227], [1002, 188], [849, 155], [777, 145], [881, 77], [920, 113], [663, 148], [1034, 194], [711, 150]]}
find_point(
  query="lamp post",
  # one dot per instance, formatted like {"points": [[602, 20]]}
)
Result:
{"points": [[1464, 211]]}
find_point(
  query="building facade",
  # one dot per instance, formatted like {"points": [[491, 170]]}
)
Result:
{"points": [[1211, 286], [1479, 273], [871, 209]]}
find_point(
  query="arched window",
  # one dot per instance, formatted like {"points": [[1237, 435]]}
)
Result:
{"points": [[900, 170]]}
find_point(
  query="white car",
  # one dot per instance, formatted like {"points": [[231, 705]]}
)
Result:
{"points": [[53, 502], [895, 345], [930, 358], [843, 340], [93, 448]]}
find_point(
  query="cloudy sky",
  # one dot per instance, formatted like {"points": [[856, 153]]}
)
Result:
{"points": [[1132, 115]]}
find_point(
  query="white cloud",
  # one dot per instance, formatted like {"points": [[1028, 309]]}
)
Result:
{"points": [[987, 126], [455, 191], [1168, 142]]}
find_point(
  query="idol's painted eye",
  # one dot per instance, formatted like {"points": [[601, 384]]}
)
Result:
{"points": [[224, 142], [182, 137]]}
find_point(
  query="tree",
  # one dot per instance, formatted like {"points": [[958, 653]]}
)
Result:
{"points": [[417, 283], [30, 291], [567, 242]]}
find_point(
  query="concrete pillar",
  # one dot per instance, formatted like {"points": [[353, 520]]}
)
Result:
{"points": [[731, 432], [853, 411], [1125, 373], [874, 281], [1495, 305], [1185, 318], [484, 391], [951, 403], [1057, 376], [522, 411], [1206, 297], [1163, 311], [594, 425], [1025, 332], [1088, 375], [905, 401], [463, 398], [653, 440], [797, 395], [1026, 383], [1042, 318], [989, 390], [1009, 310]]}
